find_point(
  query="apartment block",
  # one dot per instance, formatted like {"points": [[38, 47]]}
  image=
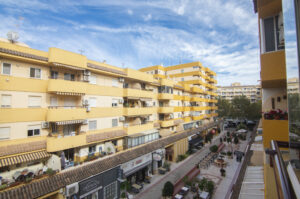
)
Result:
{"points": [[65, 115], [252, 92], [278, 22]]}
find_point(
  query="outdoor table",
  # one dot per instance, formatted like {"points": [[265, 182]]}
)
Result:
{"points": [[185, 189], [178, 196], [136, 186]]}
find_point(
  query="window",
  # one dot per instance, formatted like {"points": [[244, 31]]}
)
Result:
{"points": [[93, 102], [92, 149], [110, 191], [54, 74], [6, 69], [93, 79], [114, 122], [195, 67], [70, 77], [53, 101], [33, 130], [114, 103], [54, 127], [34, 101], [35, 73], [5, 101], [272, 33], [114, 82], [4, 133], [69, 130], [92, 124], [182, 70], [182, 79], [156, 71]]}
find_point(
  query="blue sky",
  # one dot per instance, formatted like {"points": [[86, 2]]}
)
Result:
{"points": [[222, 35]]}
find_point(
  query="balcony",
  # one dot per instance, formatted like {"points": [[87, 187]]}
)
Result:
{"points": [[130, 130], [167, 123], [198, 99], [165, 109], [65, 113], [138, 75], [167, 82], [61, 143], [59, 85], [214, 108], [186, 98], [128, 92], [178, 97], [197, 90], [275, 130], [187, 119], [273, 71], [187, 108], [139, 111], [200, 108], [178, 109], [165, 96]]}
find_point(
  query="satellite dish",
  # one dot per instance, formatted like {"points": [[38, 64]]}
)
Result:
{"points": [[12, 36]]}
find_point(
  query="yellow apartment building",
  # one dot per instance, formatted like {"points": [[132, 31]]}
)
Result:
{"points": [[278, 22], [60, 110], [252, 92]]}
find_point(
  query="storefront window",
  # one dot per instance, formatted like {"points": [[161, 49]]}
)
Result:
{"points": [[110, 191]]}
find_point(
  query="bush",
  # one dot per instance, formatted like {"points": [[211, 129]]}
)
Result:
{"points": [[228, 134], [229, 153], [123, 195], [213, 148], [3, 186], [202, 184], [168, 189], [241, 126], [50, 171], [228, 139], [210, 187]]}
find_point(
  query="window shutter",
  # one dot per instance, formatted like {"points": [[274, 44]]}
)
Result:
{"points": [[34, 101], [93, 102], [93, 79], [4, 133], [6, 100]]}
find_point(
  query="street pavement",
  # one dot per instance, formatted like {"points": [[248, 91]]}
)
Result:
{"points": [[178, 170]]}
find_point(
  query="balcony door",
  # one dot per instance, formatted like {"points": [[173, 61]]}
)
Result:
{"points": [[69, 102]]}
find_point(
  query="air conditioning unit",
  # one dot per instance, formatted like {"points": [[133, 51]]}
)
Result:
{"points": [[72, 189], [88, 109], [122, 119], [85, 102], [121, 79], [121, 101], [126, 125], [87, 73], [45, 125], [86, 78]]}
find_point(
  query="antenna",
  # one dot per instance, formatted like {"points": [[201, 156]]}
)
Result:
{"points": [[12, 36], [81, 51]]}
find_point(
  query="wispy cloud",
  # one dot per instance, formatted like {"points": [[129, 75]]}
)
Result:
{"points": [[220, 34]]}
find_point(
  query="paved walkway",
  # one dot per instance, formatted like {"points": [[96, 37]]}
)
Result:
{"points": [[178, 170]]}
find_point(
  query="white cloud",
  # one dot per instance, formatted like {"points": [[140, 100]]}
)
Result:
{"points": [[129, 11], [147, 17]]}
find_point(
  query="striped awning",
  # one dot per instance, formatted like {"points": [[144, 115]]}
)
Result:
{"points": [[69, 93], [28, 157], [69, 122]]}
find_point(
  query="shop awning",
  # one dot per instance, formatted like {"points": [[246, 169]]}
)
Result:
{"points": [[128, 173], [69, 93], [69, 122], [28, 157], [145, 99]]}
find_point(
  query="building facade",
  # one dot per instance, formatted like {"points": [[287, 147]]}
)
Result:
{"points": [[252, 92], [279, 56], [61, 111]]}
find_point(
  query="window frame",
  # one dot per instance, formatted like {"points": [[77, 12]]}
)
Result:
{"points": [[2, 70], [112, 122], [35, 73], [34, 130], [92, 122], [9, 130], [7, 106], [34, 106]]}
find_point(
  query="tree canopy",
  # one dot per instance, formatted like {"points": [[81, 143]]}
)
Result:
{"points": [[240, 107]]}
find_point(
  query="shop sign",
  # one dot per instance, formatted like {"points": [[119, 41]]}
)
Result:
{"points": [[136, 162]]}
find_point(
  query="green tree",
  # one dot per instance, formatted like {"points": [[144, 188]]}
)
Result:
{"points": [[224, 108], [240, 107], [210, 187], [168, 189]]}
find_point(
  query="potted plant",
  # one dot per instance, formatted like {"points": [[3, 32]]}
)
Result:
{"points": [[223, 172], [168, 189], [123, 195]]}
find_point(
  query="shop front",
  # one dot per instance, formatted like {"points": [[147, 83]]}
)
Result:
{"points": [[158, 159], [103, 185], [136, 170]]}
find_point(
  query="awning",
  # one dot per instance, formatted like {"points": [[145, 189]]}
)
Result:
{"points": [[28, 157], [145, 99], [128, 173], [69, 122], [134, 98], [69, 93]]}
